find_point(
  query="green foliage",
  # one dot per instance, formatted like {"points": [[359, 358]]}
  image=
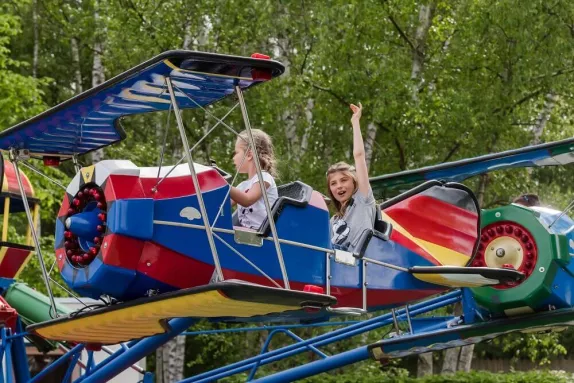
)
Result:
{"points": [[539, 348], [472, 377], [21, 95], [487, 69], [371, 373]]}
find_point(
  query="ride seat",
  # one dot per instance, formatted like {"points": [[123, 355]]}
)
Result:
{"points": [[380, 224], [295, 193]]}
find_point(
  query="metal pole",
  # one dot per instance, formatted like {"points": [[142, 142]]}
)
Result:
{"points": [[395, 322], [14, 160], [384, 264], [77, 166], [32, 168], [364, 285], [328, 273], [195, 180], [229, 231], [409, 319], [263, 189]]}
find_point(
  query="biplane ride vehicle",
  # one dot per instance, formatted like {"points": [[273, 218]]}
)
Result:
{"points": [[150, 240]]}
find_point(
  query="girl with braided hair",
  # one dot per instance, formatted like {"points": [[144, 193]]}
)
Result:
{"points": [[248, 195]]}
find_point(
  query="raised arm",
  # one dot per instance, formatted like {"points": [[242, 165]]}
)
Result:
{"points": [[359, 151]]}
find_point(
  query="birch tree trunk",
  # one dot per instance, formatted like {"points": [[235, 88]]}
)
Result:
{"points": [[76, 64], [543, 117], [36, 38], [425, 361], [425, 21], [465, 358], [450, 361], [425, 365], [170, 361], [98, 76], [370, 142]]}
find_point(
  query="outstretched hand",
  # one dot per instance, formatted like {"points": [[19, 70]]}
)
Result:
{"points": [[357, 111]]}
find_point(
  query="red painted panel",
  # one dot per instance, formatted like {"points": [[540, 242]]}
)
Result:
{"points": [[64, 206], [436, 221], [12, 182], [123, 187], [60, 257], [317, 200], [173, 268], [118, 250], [12, 261], [173, 187]]}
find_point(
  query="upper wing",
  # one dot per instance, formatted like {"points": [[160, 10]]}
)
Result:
{"points": [[553, 153], [89, 121]]}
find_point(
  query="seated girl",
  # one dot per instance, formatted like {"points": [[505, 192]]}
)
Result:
{"points": [[248, 194], [350, 191]]}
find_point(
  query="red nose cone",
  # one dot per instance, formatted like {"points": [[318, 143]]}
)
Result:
{"points": [[313, 289]]}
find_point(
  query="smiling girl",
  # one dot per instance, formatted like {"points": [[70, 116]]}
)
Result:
{"points": [[350, 191]]}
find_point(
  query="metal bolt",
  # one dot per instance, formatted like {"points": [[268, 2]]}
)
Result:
{"points": [[105, 245], [149, 263], [500, 252], [541, 269], [497, 215], [330, 277]]}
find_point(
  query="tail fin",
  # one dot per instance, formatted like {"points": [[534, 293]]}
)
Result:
{"points": [[442, 220]]}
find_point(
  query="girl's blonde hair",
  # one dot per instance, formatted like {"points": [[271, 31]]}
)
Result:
{"points": [[265, 151], [348, 170]]}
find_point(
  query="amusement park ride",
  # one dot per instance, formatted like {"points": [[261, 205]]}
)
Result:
{"points": [[147, 241]]}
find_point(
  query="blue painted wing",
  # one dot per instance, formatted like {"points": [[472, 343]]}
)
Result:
{"points": [[90, 120], [553, 153]]}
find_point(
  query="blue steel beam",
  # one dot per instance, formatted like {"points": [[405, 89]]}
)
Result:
{"points": [[21, 368], [319, 366], [321, 340], [48, 370], [137, 352]]}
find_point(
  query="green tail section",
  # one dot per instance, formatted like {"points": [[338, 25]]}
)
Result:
{"points": [[33, 307]]}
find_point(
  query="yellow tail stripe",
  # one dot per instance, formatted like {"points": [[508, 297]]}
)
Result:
{"points": [[445, 256]]}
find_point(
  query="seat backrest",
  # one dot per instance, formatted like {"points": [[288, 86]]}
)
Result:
{"points": [[295, 193], [380, 225]]}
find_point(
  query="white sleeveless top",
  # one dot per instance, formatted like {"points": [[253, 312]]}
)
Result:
{"points": [[252, 216]]}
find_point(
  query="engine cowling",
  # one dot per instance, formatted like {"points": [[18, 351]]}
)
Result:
{"points": [[105, 240], [514, 236]]}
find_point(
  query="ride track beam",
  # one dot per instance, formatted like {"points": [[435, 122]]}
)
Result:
{"points": [[124, 359], [321, 340]]}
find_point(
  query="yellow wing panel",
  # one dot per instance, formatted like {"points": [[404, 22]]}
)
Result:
{"points": [[114, 324]]}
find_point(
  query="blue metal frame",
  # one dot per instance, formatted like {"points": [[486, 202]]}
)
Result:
{"points": [[19, 354], [76, 350], [13, 347], [268, 341], [122, 359], [321, 340]]}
